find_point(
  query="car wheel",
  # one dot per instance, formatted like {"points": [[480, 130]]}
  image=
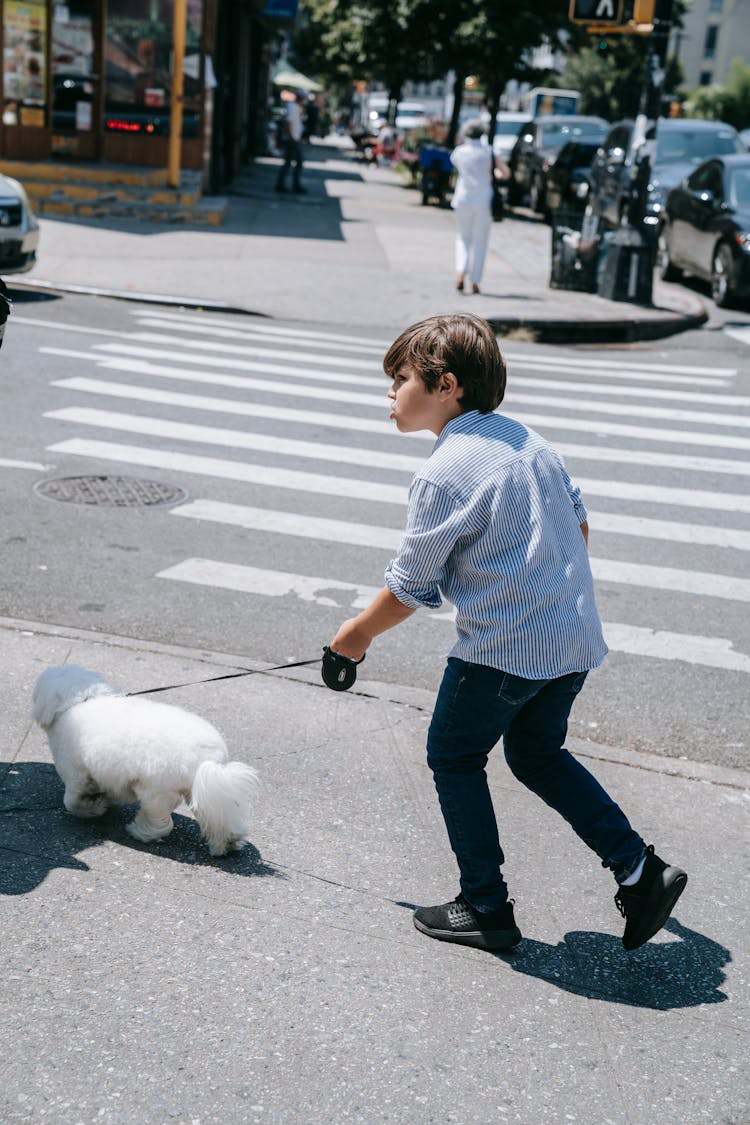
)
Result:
{"points": [[514, 193], [667, 270], [722, 275]]}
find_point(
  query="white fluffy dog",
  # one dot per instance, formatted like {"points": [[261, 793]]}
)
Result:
{"points": [[109, 747]]}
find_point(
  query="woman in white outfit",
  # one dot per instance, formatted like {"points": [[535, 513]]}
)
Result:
{"points": [[472, 202]]}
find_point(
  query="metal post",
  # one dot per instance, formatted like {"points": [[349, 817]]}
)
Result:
{"points": [[649, 111], [179, 24]]}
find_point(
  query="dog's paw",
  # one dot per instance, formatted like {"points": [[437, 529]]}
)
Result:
{"points": [[146, 832], [87, 808]]}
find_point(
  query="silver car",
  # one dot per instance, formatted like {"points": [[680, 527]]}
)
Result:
{"points": [[19, 229]]}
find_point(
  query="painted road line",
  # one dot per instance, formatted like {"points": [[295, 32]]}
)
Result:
{"points": [[266, 329], [7, 464], [252, 350], [351, 488], [714, 652], [630, 392], [212, 435], [671, 531], [685, 461], [271, 583], [237, 439], [390, 494], [617, 367], [229, 406], [329, 340], [366, 535], [211, 378], [698, 582], [630, 409], [388, 538], [291, 523], [232, 406]]}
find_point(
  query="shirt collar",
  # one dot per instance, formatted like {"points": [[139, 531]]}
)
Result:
{"points": [[461, 424]]}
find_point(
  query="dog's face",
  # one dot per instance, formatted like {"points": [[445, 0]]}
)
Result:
{"points": [[60, 688]]}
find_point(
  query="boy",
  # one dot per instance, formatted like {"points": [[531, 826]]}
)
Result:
{"points": [[495, 525]]}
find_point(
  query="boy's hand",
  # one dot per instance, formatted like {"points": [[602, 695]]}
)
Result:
{"points": [[351, 640]]}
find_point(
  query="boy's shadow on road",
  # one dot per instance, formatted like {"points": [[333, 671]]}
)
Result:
{"points": [[37, 835], [661, 975]]}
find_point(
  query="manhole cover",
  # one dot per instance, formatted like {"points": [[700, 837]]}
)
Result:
{"points": [[110, 492]]}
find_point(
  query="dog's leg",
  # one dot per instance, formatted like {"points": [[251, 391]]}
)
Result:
{"points": [[154, 818], [83, 798]]}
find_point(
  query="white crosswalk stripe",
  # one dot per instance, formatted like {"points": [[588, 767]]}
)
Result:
{"points": [[249, 372]]}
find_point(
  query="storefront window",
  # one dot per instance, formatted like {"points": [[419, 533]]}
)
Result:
{"points": [[138, 64], [24, 63], [73, 66]]}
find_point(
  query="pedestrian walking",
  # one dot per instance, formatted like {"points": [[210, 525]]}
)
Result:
{"points": [[291, 139], [495, 526], [472, 203]]}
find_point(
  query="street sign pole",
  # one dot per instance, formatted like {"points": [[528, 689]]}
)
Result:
{"points": [[179, 24], [649, 111]]}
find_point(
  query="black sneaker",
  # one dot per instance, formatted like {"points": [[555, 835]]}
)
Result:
{"points": [[458, 921], [647, 904]]}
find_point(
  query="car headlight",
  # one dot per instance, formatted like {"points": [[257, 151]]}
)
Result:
{"points": [[655, 198], [581, 189]]}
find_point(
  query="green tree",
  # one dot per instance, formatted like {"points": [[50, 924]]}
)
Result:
{"points": [[730, 103]]}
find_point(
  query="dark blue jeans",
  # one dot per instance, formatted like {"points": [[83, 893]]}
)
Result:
{"points": [[476, 706]]}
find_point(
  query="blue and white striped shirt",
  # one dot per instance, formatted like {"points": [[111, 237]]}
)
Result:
{"points": [[493, 525]]}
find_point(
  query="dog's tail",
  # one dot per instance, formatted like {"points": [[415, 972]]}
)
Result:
{"points": [[220, 800]]}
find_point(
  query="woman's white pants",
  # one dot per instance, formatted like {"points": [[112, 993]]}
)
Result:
{"points": [[473, 223]]}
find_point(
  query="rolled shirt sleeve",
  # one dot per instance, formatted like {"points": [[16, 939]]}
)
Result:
{"points": [[573, 491], [434, 523]]}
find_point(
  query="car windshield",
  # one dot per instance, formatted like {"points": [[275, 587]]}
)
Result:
{"points": [[557, 134], [739, 187], [508, 127], [695, 145]]}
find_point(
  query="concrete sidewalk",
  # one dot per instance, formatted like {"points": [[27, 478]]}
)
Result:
{"points": [[358, 250], [152, 984]]}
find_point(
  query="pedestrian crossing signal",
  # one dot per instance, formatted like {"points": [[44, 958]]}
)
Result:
{"points": [[596, 11]]}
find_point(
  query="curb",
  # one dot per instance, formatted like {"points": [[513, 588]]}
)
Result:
{"points": [[142, 298], [601, 331], [398, 694], [553, 331]]}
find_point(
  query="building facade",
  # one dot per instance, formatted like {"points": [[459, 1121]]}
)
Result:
{"points": [[714, 33], [90, 80]]}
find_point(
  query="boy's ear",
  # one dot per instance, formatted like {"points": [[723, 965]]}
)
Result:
{"points": [[450, 385]]}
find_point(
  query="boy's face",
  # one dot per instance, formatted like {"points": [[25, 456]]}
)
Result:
{"points": [[414, 407]]}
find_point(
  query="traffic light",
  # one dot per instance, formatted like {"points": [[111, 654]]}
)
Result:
{"points": [[596, 11]]}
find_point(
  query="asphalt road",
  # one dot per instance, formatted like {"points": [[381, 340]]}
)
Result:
{"points": [[293, 488]]}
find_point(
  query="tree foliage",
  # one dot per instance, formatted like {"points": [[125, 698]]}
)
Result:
{"points": [[392, 42], [730, 103]]}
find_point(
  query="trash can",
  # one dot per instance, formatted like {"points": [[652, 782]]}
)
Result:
{"points": [[570, 270], [626, 267], [4, 309]]}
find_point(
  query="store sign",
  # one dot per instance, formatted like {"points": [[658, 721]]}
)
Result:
{"points": [[281, 9]]}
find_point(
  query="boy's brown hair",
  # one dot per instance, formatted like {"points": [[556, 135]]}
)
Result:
{"points": [[461, 343]]}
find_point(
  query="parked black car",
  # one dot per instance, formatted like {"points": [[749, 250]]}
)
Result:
{"points": [[536, 150], [706, 229], [568, 177], [681, 144]]}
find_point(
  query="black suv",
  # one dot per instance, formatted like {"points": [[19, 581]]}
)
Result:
{"points": [[539, 142], [681, 144]]}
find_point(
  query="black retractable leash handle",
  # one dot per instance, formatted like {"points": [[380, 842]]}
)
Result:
{"points": [[338, 672]]}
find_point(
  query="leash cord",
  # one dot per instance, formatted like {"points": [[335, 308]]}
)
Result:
{"points": [[228, 676]]}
